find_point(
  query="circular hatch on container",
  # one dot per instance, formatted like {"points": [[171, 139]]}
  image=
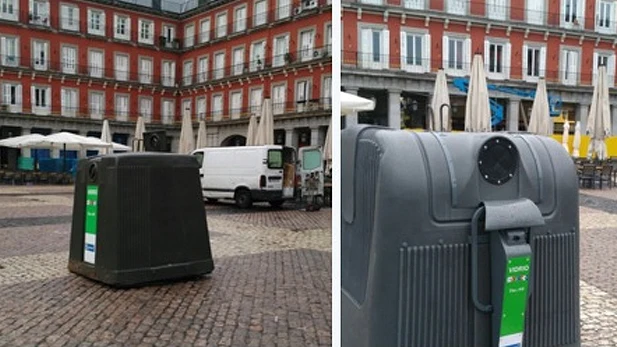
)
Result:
{"points": [[498, 160]]}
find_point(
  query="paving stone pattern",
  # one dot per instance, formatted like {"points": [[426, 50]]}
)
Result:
{"points": [[271, 285]]}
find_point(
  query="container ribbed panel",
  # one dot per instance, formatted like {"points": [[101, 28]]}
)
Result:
{"points": [[553, 311], [133, 222], [434, 308]]}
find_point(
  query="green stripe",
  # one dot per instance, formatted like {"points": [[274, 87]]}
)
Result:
{"points": [[92, 197]]}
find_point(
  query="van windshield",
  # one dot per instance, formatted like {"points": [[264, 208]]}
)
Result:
{"points": [[275, 159]]}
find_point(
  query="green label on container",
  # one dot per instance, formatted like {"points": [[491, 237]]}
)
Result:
{"points": [[514, 302], [92, 201]]}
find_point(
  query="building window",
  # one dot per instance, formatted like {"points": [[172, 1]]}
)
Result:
{"points": [[169, 73], [10, 50], [415, 52], [97, 105], [456, 55], [68, 102], [221, 25], [280, 47], [122, 26], [458, 7], [307, 38], [569, 66], [235, 104], [261, 13], [96, 63], [240, 19], [201, 108], [122, 107], [11, 96], [96, 22], [326, 92], [69, 17], [186, 107], [257, 55], [145, 70], [375, 49], [572, 14], [303, 90], [534, 62], [372, 2], [189, 36], [535, 12], [414, 4], [40, 55], [202, 74], [169, 34], [278, 99], [39, 12], [329, 40], [122, 67], [255, 99], [204, 30], [187, 73], [283, 9], [497, 59], [168, 111], [604, 59], [219, 65], [145, 108], [9, 9], [238, 61], [605, 23], [146, 31], [41, 100], [497, 9], [217, 107], [69, 59]]}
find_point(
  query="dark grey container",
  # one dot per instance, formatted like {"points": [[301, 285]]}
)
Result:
{"points": [[150, 223], [407, 203]]}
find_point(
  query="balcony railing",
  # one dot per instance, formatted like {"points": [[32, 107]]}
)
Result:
{"points": [[508, 15], [287, 109], [392, 63]]}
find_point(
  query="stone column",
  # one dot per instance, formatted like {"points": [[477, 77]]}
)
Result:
{"points": [[394, 108], [581, 115], [514, 107], [26, 152], [351, 119]]}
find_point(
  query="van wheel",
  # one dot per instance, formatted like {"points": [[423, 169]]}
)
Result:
{"points": [[243, 198], [276, 203]]}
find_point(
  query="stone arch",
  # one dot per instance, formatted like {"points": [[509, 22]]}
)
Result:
{"points": [[234, 140]]}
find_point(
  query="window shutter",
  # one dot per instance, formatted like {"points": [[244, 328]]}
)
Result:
{"points": [[507, 60], [3, 49], [563, 66], [445, 48], [427, 52], [525, 56], [467, 55], [18, 97], [543, 61], [386, 49], [6, 94], [90, 22], [611, 70], [64, 13], [366, 50], [63, 102], [595, 67], [487, 55], [48, 98], [103, 22], [128, 27], [33, 96], [403, 46], [115, 25], [574, 67], [173, 73]]}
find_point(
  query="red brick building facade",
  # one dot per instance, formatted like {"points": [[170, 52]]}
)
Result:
{"points": [[66, 65]]}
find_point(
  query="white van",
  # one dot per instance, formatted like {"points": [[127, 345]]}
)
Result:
{"points": [[247, 174]]}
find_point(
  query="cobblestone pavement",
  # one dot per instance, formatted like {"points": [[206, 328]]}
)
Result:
{"points": [[271, 285]]}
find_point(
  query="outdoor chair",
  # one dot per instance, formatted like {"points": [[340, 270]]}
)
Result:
{"points": [[18, 178], [588, 174], [605, 176], [28, 177], [7, 177], [42, 177]]}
